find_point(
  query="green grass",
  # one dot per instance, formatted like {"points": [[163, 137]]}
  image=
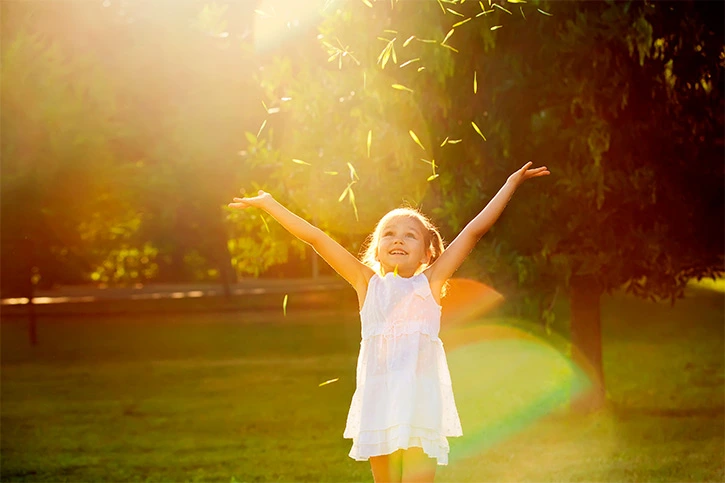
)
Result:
{"points": [[211, 396]]}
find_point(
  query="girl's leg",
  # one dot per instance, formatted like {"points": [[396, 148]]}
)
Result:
{"points": [[418, 467], [387, 468]]}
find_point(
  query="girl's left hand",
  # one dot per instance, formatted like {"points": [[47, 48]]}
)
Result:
{"points": [[525, 173]]}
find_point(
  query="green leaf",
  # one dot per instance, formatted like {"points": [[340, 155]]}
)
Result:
{"points": [[444, 141], [337, 378], [449, 47], [415, 138], [496, 27], [545, 13], [478, 130], [454, 141], [264, 222], [448, 36], [408, 40], [284, 305], [432, 177], [516, 1], [454, 12], [401, 87], [299, 161], [475, 83]]}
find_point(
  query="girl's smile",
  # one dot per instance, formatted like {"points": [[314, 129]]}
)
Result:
{"points": [[403, 244]]}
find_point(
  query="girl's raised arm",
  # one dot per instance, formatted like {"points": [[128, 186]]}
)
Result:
{"points": [[453, 256], [342, 261]]}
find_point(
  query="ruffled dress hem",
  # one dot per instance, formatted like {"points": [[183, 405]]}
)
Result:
{"points": [[387, 441]]}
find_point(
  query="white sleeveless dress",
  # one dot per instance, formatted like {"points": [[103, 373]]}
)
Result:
{"points": [[403, 396]]}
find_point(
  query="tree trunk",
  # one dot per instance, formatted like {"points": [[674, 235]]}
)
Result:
{"points": [[586, 338]]}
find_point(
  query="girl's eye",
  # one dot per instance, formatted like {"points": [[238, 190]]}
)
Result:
{"points": [[388, 233], [410, 235]]}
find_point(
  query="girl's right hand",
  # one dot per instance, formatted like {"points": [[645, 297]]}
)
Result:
{"points": [[255, 201]]}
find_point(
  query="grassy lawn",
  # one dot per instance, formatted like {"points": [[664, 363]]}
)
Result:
{"points": [[223, 395]]}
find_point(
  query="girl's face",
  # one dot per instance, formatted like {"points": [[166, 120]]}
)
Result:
{"points": [[403, 244]]}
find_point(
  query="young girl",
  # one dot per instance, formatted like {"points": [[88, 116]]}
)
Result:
{"points": [[403, 407]]}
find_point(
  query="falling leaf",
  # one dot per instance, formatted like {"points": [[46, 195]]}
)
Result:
{"points": [[448, 36], [522, 12], [409, 62], [496, 27], [454, 141], [516, 1], [432, 177], [265, 106], [454, 12], [461, 22], [415, 138], [299, 161], [449, 47], [344, 193], [478, 130], [427, 41], [266, 226], [408, 40], [444, 141], [367, 2], [545, 13], [365, 80], [395, 271], [273, 110], [442, 7], [370, 140], [499, 6], [421, 68], [329, 382], [264, 123], [262, 13], [285, 99], [352, 202], [485, 12], [475, 83], [331, 173], [284, 305], [353, 173], [401, 87]]}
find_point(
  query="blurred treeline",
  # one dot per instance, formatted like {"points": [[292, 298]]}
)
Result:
{"points": [[128, 125]]}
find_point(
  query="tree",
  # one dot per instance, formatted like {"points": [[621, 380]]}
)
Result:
{"points": [[622, 100]]}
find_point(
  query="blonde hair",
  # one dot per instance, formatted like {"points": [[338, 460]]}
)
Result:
{"points": [[431, 237]]}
